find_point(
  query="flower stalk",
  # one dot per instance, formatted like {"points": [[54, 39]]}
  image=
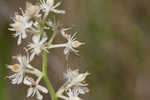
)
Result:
{"points": [[35, 21], [47, 81], [44, 67], [57, 46]]}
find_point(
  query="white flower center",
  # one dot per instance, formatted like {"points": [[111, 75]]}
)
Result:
{"points": [[37, 49]]}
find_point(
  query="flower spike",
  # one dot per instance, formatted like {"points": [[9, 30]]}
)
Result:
{"points": [[34, 25]]}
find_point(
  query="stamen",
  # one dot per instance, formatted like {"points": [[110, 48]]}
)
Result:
{"points": [[33, 85], [15, 68]]}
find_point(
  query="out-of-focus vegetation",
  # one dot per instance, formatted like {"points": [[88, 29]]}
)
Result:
{"points": [[116, 51], [5, 51]]}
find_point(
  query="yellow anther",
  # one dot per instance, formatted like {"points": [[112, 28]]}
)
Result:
{"points": [[15, 67]]}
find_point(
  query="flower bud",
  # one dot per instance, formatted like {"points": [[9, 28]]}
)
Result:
{"points": [[50, 2], [32, 10], [76, 44]]}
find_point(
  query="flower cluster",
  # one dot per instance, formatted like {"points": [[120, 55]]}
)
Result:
{"points": [[34, 22], [74, 85]]}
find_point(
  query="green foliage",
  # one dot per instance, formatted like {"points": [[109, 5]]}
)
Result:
{"points": [[5, 52]]}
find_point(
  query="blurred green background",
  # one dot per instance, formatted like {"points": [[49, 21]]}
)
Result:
{"points": [[116, 33]]}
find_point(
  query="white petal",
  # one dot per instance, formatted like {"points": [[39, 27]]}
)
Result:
{"points": [[82, 90], [11, 29], [81, 77], [74, 50], [50, 2], [66, 51], [14, 81], [38, 95], [27, 81], [13, 78], [70, 93], [19, 58], [72, 38], [24, 35], [29, 24], [20, 77], [34, 91], [30, 91], [36, 39], [58, 4], [58, 11], [29, 66], [16, 78], [32, 56], [63, 32], [19, 40], [44, 39], [41, 88]]}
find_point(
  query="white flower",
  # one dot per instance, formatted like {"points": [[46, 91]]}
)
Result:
{"points": [[73, 95], [75, 80], [69, 75], [72, 42], [35, 29], [37, 46], [48, 6], [34, 88], [21, 23], [19, 69], [32, 10]]}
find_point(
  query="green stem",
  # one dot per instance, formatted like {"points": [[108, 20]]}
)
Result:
{"points": [[45, 58], [47, 81], [45, 77]]}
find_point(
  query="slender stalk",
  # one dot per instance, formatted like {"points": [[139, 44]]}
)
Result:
{"points": [[45, 56], [44, 67], [47, 81], [34, 72], [57, 46], [52, 38]]}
